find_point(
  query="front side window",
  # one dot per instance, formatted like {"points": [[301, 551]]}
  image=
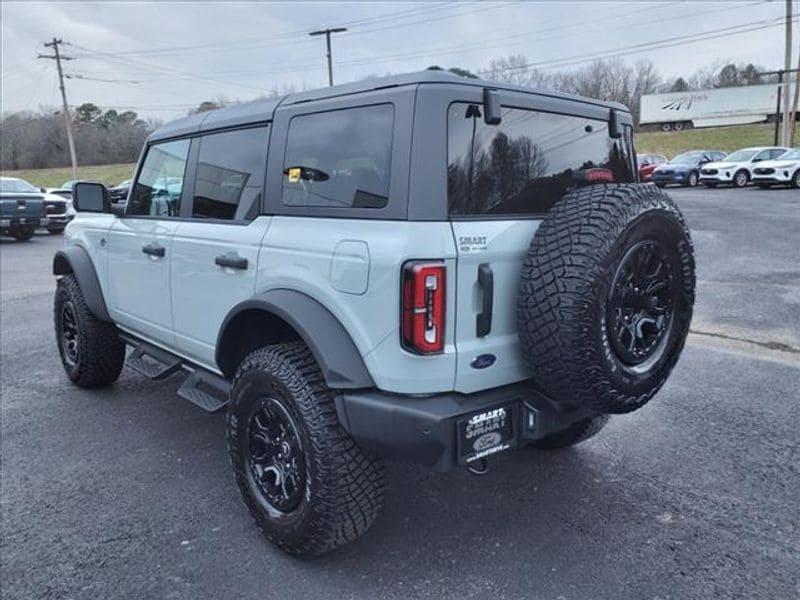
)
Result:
{"points": [[339, 159], [230, 174], [158, 189], [529, 161]]}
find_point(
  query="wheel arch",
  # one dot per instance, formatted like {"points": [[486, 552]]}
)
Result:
{"points": [[76, 261], [282, 315]]}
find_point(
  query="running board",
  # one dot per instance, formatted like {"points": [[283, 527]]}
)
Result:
{"points": [[206, 390], [202, 388], [153, 362]]}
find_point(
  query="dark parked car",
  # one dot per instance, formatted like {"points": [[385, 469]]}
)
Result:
{"points": [[647, 163], [119, 193], [21, 208], [684, 169]]}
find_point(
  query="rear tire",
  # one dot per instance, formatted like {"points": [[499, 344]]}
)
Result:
{"points": [[332, 491], [606, 297], [576, 433], [91, 351]]}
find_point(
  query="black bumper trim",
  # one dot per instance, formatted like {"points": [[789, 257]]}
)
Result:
{"points": [[422, 430]]}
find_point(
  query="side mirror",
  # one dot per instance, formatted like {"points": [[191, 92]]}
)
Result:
{"points": [[492, 114], [88, 196]]}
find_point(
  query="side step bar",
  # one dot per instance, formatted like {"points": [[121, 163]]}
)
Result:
{"points": [[206, 390], [202, 388]]}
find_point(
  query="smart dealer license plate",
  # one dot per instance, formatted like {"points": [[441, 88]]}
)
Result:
{"points": [[485, 432]]}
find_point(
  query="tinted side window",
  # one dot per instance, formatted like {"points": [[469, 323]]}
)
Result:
{"points": [[339, 158], [529, 161], [230, 174], [157, 192]]}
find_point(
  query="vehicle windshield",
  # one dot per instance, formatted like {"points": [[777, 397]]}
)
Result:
{"points": [[687, 158], [741, 156], [16, 186], [791, 155]]}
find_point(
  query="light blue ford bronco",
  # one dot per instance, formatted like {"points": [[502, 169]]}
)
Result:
{"points": [[422, 268]]}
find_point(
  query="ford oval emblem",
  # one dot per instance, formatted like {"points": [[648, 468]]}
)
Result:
{"points": [[483, 361], [486, 441]]}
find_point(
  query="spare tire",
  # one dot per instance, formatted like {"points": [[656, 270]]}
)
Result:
{"points": [[606, 297]]}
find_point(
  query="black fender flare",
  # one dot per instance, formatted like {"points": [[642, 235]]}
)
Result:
{"points": [[76, 260], [334, 350]]}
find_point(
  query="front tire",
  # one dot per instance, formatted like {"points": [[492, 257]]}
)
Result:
{"points": [[91, 351], [23, 234], [692, 179], [578, 432], [740, 179], [795, 183], [306, 483]]}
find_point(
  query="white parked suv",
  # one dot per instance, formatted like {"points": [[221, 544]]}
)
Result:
{"points": [[422, 268], [736, 169], [781, 171]]}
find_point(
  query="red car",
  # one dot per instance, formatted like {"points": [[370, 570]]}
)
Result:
{"points": [[648, 164]]}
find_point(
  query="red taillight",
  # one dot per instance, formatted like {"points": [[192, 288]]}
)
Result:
{"points": [[423, 307]]}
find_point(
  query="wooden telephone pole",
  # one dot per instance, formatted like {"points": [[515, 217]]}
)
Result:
{"points": [[57, 56]]}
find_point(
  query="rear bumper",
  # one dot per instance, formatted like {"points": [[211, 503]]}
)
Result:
{"points": [[424, 430]]}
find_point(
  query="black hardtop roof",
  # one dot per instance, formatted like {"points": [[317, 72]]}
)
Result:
{"points": [[263, 110]]}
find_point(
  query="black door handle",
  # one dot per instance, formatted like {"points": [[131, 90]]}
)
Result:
{"points": [[231, 261], [154, 249], [483, 322]]}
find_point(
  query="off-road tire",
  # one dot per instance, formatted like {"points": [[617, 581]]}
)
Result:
{"points": [[23, 234], [566, 280], [578, 432], [737, 181], [101, 353], [343, 485]]}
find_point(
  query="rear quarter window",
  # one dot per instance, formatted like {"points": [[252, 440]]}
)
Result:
{"points": [[339, 159], [528, 162]]}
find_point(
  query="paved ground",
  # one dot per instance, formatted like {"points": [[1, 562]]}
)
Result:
{"points": [[126, 493]]}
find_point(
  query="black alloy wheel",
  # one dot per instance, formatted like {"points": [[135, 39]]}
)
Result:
{"points": [[640, 306], [276, 460], [70, 334]]}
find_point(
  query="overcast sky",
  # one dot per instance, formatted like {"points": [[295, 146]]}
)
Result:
{"points": [[182, 53]]}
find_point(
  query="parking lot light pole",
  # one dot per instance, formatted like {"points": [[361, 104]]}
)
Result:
{"points": [[327, 33]]}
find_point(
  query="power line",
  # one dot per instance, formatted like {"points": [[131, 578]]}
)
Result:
{"points": [[658, 44]]}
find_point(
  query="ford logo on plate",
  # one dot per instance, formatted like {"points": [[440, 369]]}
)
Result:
{"points": [[483, 361], [486, 441]]}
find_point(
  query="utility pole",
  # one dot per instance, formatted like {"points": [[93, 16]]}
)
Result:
{"points": [[327, 33], [787, 67], [778, 111], [56, 56]]}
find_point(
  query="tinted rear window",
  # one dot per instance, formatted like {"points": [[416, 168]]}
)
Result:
{"points": [[528, 162]]}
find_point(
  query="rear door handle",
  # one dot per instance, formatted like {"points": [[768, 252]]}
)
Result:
{"points": [[232, 261], [483, 322], [154, 249]]}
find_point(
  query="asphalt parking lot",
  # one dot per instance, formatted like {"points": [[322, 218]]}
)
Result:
{"points": [[127, 492]]}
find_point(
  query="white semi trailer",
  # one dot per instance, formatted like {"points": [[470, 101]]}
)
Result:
{"points": [[709, 108]]}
